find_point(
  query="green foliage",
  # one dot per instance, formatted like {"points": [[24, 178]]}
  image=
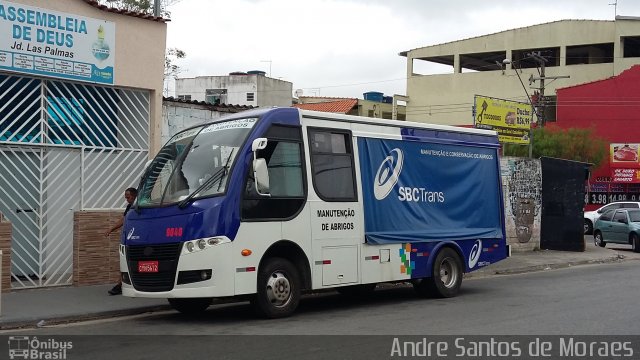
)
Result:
{"points": [[570, 144], [171, 69], [140, 6]]}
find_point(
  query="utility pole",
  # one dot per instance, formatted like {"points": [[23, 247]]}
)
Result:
{"points": [[540, 103], [542, 61]]}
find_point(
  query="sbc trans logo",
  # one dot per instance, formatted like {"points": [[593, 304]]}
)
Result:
{"points": [[388, 174], [474, 255], [31, 348]]}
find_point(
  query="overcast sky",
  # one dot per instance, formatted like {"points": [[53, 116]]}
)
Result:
{"points": [[343, 48]]}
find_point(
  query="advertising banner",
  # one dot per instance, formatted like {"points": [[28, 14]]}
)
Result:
{"points": [[512, 120], [421, 192], [625, 175], [624, 156], [51, 43]]}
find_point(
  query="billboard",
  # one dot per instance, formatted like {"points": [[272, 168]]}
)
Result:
{"points": [[624, 155], [512, 120], [624, 163], [51, 43]]}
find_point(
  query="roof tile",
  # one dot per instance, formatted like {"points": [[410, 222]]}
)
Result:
{"points": [[342, 106]]}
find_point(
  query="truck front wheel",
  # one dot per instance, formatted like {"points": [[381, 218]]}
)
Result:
{"points": [[278, 293]]}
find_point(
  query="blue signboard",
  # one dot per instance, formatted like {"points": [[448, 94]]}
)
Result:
{"points": [[420, 192]]}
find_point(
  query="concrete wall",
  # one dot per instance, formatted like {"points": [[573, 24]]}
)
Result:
{"points": [[5, 247], [267, 91], [274, 92], [178, 116], [522, 190], [95, 256], [380, 110]]}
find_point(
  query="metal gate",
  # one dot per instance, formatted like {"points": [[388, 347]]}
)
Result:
{"points": [[562, 221], [64, 147]]}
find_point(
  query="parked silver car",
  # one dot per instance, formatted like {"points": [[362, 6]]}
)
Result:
{"points": [[620, 226]]}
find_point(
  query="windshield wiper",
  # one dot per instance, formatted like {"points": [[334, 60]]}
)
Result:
{"points": [[218, 175], [225, 168]]}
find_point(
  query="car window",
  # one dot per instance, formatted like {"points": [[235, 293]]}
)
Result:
{"points": [[607, 215], [607, 207], [620, 215], [630, 205], [634, 215]]}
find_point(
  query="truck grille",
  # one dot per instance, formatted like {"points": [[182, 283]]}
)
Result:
{"points": [[167, 257]]}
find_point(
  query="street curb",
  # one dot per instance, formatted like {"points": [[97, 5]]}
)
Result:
{"points": [[66, 319], [548, 266]]}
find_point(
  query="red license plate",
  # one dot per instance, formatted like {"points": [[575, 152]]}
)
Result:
{"points": [[148, 266]]}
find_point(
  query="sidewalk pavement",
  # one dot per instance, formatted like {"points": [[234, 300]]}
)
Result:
{"points": [[56, 305]]}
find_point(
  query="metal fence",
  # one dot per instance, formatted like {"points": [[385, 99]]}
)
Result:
{"points": [[64, 147]]}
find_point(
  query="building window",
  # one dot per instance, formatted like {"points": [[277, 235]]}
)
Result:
{"points": [[215, 96], [250, 96], [590, 54], [631, 46], [184, 97]]}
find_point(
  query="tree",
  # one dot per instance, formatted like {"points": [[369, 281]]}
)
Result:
{"points": [[571, 144], [141, 6], [171, 70]]}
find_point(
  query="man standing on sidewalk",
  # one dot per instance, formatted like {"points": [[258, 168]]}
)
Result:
{"points": [[129, 195]]}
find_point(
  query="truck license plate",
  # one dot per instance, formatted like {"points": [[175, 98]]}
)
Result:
{"points": [[148, 266]]}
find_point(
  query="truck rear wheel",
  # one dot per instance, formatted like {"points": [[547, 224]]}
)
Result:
{"points": [[446, 277], [190, 306], [278, 293]]}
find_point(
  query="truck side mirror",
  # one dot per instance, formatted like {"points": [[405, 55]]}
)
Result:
{"points": [[258, 144], [260, 168]]}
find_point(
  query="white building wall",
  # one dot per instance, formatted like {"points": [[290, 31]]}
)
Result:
{"points": [[266, 91]]}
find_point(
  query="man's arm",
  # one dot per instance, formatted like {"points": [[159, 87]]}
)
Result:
{"points": [[115, 227]]}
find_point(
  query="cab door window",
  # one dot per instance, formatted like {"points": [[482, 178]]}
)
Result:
{"points": [[284, 158]]}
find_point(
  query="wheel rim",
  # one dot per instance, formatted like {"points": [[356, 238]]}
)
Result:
{"points": [[586, 227], [448, 273], [278, 289], [598, 238]]}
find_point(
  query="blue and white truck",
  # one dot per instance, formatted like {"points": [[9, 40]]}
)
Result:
{"points": [[268, 204]]}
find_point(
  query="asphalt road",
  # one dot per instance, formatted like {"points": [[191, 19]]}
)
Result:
{"points": [[588, 300], [596, 299]]}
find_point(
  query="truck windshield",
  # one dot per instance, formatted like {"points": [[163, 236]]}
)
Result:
{"points": [[194, 163]]}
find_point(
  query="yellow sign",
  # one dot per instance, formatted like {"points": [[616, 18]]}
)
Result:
{"points": [[511, 119]]}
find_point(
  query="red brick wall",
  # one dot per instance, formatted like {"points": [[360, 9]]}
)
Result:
{"points": [[95, 256], [5, 246]]}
